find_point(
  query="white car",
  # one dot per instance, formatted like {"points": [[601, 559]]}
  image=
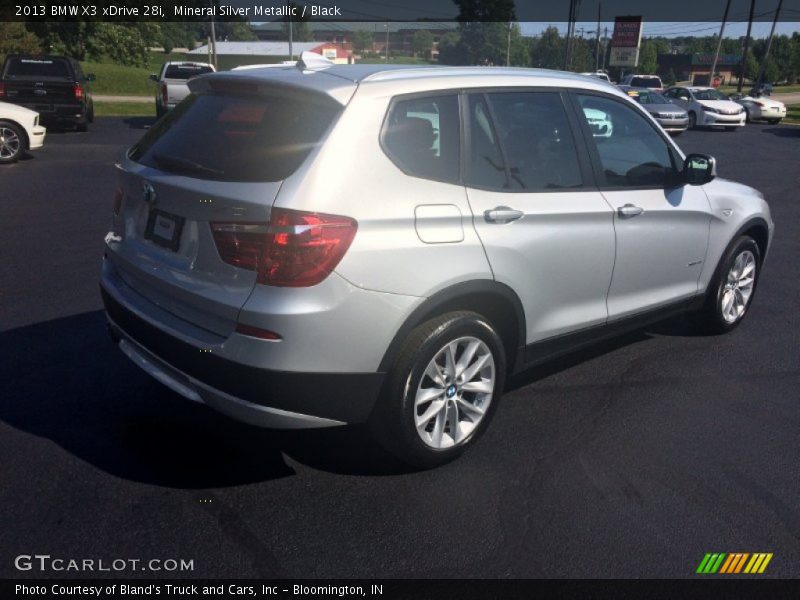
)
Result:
{"points": [[761, 108], [598, 75], [19, 132], [708, 107], [635, 80]]}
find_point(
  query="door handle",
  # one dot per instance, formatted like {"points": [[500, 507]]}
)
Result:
{"points": [[629, 210], [502, 214]]}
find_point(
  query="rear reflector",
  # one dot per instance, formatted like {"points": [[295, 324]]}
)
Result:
{"points": [[264, 334], [298, 249]]}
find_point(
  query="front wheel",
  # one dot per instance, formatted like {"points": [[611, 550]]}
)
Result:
{"points": [[443, 390], [732, 288], [12, 143]]}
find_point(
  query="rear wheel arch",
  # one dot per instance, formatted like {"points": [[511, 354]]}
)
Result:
{"points": [[494, 301]]}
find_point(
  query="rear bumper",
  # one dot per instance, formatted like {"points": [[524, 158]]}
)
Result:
{"points": [[262, 397], [55, 112]]}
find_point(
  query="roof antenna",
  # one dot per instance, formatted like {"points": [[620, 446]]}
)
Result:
{"points": [[312, 60]]}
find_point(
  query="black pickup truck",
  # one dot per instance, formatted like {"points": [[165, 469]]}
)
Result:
{"points": [[53, 86]]}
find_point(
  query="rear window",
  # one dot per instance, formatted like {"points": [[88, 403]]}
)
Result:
{"points": [[40, 68], [236, 138], [646, 82], [186, 71]]}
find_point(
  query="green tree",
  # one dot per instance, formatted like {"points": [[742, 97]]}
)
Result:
{"points": [[547, 51], [670, 78], [450, 49], [234, 31], [15, 38], [125, 43], [422, 43], [648, 57], [362, 41], [301, 29]]}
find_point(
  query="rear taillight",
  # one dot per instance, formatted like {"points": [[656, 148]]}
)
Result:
{"points": [[2, 90], [298, 249], [761, 104], [77, 90], [264, 334], [117, 206], [164, 94]]}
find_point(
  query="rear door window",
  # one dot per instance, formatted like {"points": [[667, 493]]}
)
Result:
{"points": [[236, 138], [422, 137]]}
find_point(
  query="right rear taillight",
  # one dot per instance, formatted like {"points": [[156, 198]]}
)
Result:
{"points": [[297, 249]]}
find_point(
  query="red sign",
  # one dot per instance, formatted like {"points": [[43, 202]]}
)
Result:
{"points": [[627, 32]]}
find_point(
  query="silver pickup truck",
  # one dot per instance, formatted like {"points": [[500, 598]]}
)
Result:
{"points": [[172, 80]]}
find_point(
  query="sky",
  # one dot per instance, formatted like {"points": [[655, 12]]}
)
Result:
{"points": [[732, 30]]}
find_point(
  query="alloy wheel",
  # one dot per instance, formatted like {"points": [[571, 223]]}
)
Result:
{"points": [[454, 393], [738, 287], [9, 143]]}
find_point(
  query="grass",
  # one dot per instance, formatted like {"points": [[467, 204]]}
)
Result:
{"points": [[119, 80], [124, 109], [792, 114], [778, 89]]}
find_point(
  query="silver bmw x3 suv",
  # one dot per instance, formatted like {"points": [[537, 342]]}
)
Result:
{"points": [[317, 245]]}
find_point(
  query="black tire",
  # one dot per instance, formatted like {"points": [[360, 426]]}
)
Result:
{"points": [[82, 126], [773, 121], [692, 120], [14, 142], [393, 421], [731, 128], [159, 112], [709, 319], [747, 116], [90, 113], [676, 133]]}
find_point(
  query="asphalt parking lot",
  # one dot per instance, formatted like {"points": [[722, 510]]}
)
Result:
{"points": [[632, 459]]}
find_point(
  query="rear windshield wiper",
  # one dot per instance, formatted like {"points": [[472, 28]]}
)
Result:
{"points": [[184, 164]]}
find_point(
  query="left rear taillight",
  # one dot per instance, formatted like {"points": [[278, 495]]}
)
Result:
{"points": [[77, 90], [297, 249], [2, 90]]}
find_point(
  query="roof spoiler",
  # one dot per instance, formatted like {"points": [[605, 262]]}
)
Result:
{"points": [[311, 60]]}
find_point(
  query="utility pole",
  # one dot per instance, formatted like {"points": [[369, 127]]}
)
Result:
{"points": [[597, 39], [605, 46], [291, 49], [508, 46], [719, 43], [746, 45], [763, 68], [569, 36], [387, 41], [213, 38]]}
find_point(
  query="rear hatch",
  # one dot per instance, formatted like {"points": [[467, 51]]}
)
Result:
{"points": [[39, 81], [198, 189]]}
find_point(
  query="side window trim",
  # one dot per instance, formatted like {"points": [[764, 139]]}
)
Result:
{"points": [[597, 165]]}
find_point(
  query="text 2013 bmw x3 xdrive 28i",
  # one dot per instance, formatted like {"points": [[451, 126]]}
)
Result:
{"points": [[312, 246]]}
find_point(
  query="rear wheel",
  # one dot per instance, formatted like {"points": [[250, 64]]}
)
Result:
{"points": [[12, 142], [730, 293], [443, 390]]}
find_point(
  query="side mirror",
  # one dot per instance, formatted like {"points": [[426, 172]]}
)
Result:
{"points": [[154, 77], [699, 169], [90, 77]]}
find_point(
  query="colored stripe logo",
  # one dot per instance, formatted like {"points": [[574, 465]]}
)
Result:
{"points": [[734, 563]]}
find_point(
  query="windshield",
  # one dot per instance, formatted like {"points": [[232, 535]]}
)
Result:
{"points": [[648, 97], [38, 68], [646, 82], [235, 138], [186, 71], [709, 95]]}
